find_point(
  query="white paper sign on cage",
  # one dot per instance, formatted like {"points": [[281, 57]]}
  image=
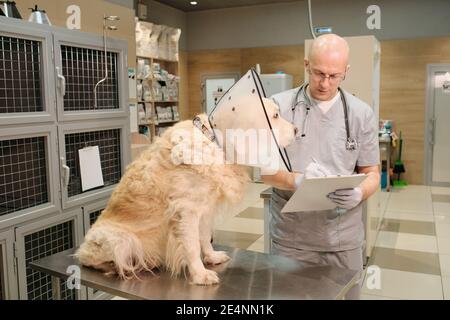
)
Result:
{"points": [[90, 168]]}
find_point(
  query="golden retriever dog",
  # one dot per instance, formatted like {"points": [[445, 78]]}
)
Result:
{"points": [[161, 213]]}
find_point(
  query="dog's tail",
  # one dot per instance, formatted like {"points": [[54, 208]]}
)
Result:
{"points": [[113, 250]]}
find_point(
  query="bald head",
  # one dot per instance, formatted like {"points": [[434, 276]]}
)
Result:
{"points": [[330, 45], [327, 63]]}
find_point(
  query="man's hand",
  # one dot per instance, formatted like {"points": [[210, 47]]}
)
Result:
{"points": [[346, 198], [282, 179]]}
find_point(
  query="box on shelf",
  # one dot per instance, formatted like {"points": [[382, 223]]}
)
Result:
{"points": [[164, 113], [157, 41], [143, 69]]}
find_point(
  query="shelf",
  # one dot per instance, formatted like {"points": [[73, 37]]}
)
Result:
{"points": [[142, 101], [159, 59], [166, 121], [152, 125], [171, 101], [154, 79], [158, 122]]}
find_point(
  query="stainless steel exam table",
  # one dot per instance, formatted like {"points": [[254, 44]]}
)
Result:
{"points": [[248, 275]]}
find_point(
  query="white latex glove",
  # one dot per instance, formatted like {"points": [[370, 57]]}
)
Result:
{"points": [[346, 198], [315, 170], [298, 179]]}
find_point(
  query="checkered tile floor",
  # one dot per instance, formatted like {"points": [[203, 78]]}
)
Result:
{"points": [[412, 249]]}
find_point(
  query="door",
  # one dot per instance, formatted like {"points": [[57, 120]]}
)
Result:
{"points": [[40, 239], [437, 141], [26, 82], [8, 280], [80, 66], [111, 138]]}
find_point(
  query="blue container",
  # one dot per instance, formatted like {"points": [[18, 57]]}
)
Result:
{"points": [[384, 178]]}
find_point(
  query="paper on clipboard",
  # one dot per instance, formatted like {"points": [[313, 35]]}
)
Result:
{"points": [[312, 193], [90, 168]]}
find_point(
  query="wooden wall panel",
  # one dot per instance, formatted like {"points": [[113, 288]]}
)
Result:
{"points": [[288, 59], [91, 18], [208, 62]]}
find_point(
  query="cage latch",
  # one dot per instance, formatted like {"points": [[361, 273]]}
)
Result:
{"points": [[61, 82], [66, 172]]}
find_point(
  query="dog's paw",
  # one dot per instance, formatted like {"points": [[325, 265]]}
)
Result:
{"points": [[216, 257], [205, 278]]}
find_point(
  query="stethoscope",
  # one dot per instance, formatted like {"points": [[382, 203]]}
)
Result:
{"points": [[350, 143]]}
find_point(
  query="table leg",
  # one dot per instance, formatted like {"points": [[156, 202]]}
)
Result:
{"points": [[56, 288], [388, 168], [267, 239]]}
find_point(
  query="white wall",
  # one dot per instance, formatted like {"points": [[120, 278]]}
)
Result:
{"points": [[287, 23]]}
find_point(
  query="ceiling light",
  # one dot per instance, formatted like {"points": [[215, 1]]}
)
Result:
{"points": [[194, 3]]}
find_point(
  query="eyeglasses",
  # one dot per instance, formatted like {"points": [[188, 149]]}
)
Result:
{"points": [[333, 78]]}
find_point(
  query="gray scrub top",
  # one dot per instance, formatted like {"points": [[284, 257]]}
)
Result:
{"points": [[325, 138]]}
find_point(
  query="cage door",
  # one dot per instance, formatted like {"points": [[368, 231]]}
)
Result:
{"points": [[111, 139], [28, 173], [8, 279], [26, 73], [81, 66], [42, 239]]}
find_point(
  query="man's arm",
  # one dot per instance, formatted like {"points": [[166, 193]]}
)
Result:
{"points": [[282, 180], [370, 185]]}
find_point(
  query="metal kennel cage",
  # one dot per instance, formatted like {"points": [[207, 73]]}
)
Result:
{"points": [[91, 212], [80, 64], [47, 114], [8, 283], [28, 183], [93, 216], [113, 142], [82, 67], [41, 239], [26, 83]]}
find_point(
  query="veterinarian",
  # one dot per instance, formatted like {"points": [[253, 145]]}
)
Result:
{"points": [[326, 143]]}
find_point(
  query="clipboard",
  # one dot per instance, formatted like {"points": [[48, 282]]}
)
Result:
{"points": [[311, 195]]}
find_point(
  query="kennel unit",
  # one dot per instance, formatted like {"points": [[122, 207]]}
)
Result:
{"points": [[82, 122], [111, 137], [90, 214], [80, 64], [27, 86], [41, 239], [8, 281], [29, 187], [48, 113]]}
